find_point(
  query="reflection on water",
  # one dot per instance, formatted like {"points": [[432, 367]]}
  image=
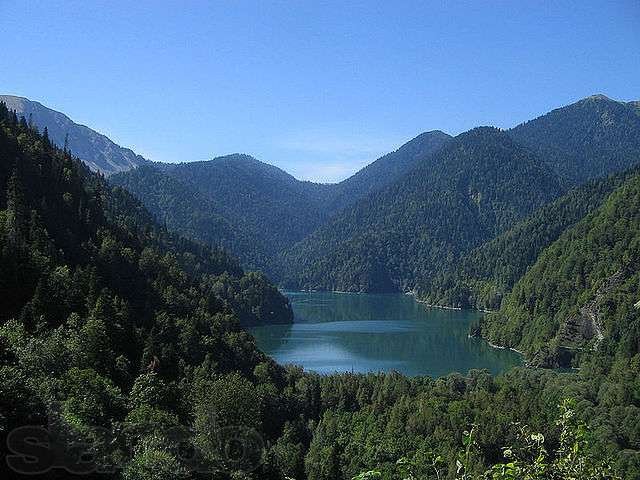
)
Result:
{"points": [[334, 332]]}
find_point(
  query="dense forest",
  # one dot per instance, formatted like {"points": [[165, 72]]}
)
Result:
{"points": [[472, 189], [582, 291], [377, 230], [179, 207], [255, 210], [385, 170], [122, 345], [356, 250], [481, 278], [588, 139]]}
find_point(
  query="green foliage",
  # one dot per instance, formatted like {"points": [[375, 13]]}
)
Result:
{"points": [[589, 139], [475, 187], [253, 209], [109, 321], [582, 289], [482, 277], [385, 170], [527, 459]]}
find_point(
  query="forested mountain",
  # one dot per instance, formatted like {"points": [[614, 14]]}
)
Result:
{"points": [[385, 170], [181, 208], [582, 291], [482, 277], [258, 211], [105, 315], [588, 139], [94, 149], [472, 189], [260, 198], [123, 344], [254, 209]]}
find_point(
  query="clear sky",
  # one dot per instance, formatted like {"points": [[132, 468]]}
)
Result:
{"points": [[319, 88]]}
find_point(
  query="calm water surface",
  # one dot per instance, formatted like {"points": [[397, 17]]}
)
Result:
{"points": [[336, 332]]}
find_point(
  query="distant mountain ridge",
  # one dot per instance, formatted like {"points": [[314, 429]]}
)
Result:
{"points": [[386, 241], [386, 169], [93, 148], [255, 209], [402, 218], [249, 207], [588, 139], [469, 191]]}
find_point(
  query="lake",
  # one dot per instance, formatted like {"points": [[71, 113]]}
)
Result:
{"points": [[339, 332]]}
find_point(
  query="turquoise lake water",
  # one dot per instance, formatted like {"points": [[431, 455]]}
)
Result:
{"points": [[336, 332]]}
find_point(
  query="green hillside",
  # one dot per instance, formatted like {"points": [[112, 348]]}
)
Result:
{"points": [[588, 139], [127, 341], [482, 277], [474, 188], [583, 290]]}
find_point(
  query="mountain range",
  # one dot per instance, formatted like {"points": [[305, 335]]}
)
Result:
{"points": [[259, 210], [116, 327], [458, 221]]}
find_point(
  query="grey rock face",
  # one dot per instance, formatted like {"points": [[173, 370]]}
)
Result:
{"points": [[93, 148]]}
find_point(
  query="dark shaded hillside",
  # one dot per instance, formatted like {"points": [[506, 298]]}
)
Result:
{"points": [[481, 278], [259, 198], [254, 209], [103, 312], [582, 290], [58, 213], [181, 208], [588, 139], [471, 190], [93, 148]]}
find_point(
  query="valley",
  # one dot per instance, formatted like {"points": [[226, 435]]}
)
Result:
{"points": [[320, 240], [125, 305]]}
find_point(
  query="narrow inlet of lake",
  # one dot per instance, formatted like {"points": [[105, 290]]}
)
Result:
{"points": [[337, 332]]}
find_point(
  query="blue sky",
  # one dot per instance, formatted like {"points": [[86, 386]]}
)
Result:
{"points": [[319, 88]]}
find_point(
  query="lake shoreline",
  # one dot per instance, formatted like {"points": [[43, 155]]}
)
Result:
{"points": [[413, 295], [361, 332]]}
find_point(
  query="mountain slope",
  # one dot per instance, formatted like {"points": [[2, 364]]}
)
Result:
{"points": [[93, 148], [483, 276], [182, 208], [588, 139], [259, 198], [108, 324], [254, 209], [582, 290], [471, 190], [385, 170], [124, 339]]}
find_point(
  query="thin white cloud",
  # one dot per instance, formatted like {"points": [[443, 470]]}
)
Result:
{"points": [[347, 145], [326, 157], [326, 172]]}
